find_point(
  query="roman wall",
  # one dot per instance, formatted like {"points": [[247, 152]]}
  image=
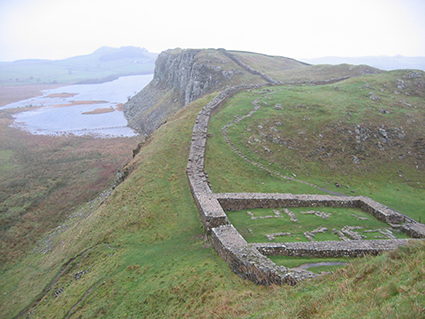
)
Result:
{"points": [[249, 260]]}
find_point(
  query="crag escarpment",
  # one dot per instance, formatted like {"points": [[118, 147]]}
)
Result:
{"points": [[182, 76]]}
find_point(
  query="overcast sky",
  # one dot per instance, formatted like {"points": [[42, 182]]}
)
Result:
{"points": [[57, 29]]}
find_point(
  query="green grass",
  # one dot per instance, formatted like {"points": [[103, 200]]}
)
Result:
{"points": [[319, 72], [255, 230], [158, 264], [295, 262], [313, 138], [5, 162]]}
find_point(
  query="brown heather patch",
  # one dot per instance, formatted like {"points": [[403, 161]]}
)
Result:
{"points": [[100, 111], [48, 177], [15, 93], [64, 95], [80, 103], [119, 107]]}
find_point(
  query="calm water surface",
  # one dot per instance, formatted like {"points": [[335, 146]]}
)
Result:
{"points": [[43, 116]]}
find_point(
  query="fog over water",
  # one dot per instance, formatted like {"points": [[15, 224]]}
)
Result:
{"points": [[58, 116]]}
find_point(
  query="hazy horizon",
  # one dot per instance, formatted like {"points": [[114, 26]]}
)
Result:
{"points": [[58, 29], [301, 59]]}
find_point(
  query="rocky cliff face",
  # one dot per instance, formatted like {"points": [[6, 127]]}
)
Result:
{"points": [[181, 76]]}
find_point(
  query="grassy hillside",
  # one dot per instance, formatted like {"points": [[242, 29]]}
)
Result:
{"points": [[289, 70], [142, 253], [365, 135]]}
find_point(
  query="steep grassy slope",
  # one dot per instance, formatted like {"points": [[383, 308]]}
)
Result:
{"points": [[268, 63], [141, 253]]}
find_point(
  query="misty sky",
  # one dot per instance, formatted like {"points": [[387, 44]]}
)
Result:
{"points": [[56, 29]]}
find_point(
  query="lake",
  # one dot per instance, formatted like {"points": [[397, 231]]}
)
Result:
{"points": [[84, 109]]}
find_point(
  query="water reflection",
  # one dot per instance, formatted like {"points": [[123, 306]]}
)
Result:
{"points": [[94, 109]]}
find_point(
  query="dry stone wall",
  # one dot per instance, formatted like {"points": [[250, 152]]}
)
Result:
{"points": [[249, 260], [249, 68], [352, 248], [242, 201]]}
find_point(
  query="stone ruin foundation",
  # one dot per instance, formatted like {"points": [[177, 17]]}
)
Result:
{"points": [[250, 260]]}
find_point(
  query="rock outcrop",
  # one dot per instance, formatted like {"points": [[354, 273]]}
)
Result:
{"points": [[181, 76]]}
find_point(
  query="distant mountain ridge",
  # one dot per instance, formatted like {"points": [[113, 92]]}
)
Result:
{"points": [[104, 64], [381, 62]]}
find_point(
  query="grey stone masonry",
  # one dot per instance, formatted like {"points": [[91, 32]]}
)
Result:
{"points": [[210, 211], [249, 68], [241, 201], [352, 248], [249, 260], [246, 260], [414, 230]]}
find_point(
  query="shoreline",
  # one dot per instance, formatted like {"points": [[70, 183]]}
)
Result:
{"points": [[15, 93]]}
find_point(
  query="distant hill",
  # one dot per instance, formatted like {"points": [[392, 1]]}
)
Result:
{"points": [[104, 64], [380, 62]]}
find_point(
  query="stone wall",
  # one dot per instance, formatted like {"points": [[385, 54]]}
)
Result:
{"points": [[246, 260], [212, 215], [242, 201], [352, 248], [247, 67], [249, 260], [414, 230]]}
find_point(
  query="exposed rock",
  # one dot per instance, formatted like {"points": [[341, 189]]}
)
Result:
{"points": [[374, 97], [291, 215], [181, 76], [401, 84], [272, 236], [349, 231], [318, 214]]}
